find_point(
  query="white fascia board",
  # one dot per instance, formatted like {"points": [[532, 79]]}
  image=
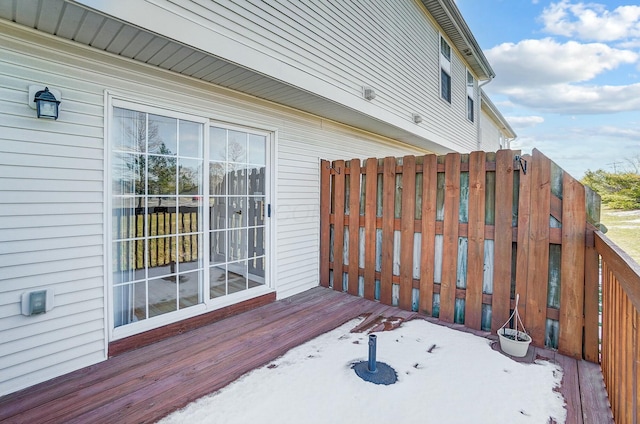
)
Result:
{"points": [[166, 19]]}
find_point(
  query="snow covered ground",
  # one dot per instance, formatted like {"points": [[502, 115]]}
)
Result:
{"points": [[444, 376]]}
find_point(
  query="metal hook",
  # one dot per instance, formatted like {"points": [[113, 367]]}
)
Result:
{"points": [[335, 170], [523, 163]]}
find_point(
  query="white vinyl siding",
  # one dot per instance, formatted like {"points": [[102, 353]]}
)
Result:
{"points": [[52, 179], [331, 49], [51, 220], [490, 135]]}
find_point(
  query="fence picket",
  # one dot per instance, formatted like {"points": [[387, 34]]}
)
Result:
{"points": [[538, 262], [475, 236], [388, 223], [407, 231], [325, 219], [450, 233], [338, 223], [354, 225], [503, 239], [591, 280], [574, 217], [522, 253], [428, 227], [370, 228]]}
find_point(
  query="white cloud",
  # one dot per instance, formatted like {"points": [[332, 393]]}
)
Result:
{"points": [[548, 62], [524, 121], [549, 76], [591, 21], [629, 45], [577, 99], [629, 134]]}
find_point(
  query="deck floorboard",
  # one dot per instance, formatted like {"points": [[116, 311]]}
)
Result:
{"points": [[145, 384]]}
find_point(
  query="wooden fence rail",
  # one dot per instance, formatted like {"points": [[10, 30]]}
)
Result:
{"points": [[620, 330], [457, 236]]}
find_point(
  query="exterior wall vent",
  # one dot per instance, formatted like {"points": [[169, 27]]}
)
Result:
{"points": [[369, 93]]}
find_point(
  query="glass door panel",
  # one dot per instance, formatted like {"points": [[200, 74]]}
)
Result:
{"points": [[237, 208], [157, 185]]}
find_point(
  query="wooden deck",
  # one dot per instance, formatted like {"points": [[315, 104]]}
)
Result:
{"points": [[148, 383]]}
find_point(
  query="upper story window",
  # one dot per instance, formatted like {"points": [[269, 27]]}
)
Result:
{"points": [[445, 49], [471, 85], [445, 70]]}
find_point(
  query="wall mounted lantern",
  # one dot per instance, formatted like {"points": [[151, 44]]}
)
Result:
{"points": [[46, 104]]}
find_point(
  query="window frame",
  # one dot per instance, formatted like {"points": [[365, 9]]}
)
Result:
{"points": [[470, 92], [445, 77]]}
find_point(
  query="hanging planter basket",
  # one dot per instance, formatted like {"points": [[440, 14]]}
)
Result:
{"points": [[513, 341]]}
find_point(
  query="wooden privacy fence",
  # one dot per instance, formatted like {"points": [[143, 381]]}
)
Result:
{"points": [[620, 329], [457, 236], [234, 237], [164, 247]]}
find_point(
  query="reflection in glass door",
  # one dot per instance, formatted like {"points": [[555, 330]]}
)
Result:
{"points": [[237, 166], [156, 229]]}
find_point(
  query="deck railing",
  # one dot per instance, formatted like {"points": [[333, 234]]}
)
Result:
{"points": [[620, 352]]}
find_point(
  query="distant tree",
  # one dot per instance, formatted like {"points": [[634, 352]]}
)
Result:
{"points": [[189, 181], [619, 190], [159, 168], [634, 164]]}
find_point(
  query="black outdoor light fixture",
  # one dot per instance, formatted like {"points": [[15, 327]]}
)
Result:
{"points": [[46, 104]]}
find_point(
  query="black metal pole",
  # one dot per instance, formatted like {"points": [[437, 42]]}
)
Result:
{"points": [[372, 353]]}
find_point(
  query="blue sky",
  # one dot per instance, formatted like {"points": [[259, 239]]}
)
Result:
{"points": [[567, 77]]}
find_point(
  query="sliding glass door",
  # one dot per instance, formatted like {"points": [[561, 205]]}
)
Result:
{"points": [[188, 208]]}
